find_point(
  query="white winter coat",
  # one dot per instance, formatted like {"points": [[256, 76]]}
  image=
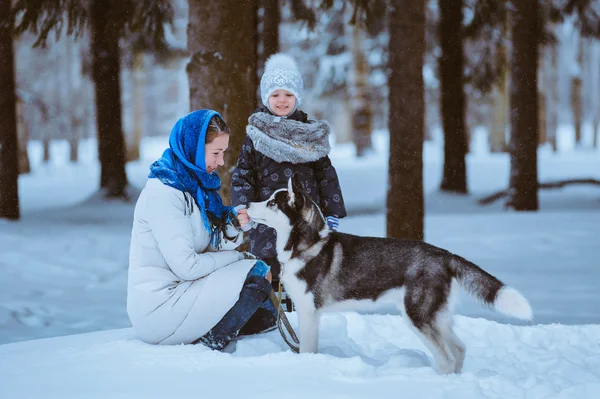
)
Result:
{"points": [[178, 287]]}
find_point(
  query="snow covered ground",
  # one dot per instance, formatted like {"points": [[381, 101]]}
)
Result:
{"points": [[64, 270], [374, 356]]}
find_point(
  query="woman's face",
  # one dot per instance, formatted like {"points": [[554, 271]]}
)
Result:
{"points": [[215, 151], [282, 102]]}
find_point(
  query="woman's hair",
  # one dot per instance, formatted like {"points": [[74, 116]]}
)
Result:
{"points": [[216, 127]]}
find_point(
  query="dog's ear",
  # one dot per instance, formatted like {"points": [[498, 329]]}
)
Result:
{"points": [[297, 184], [297, 191], [290, 190]]}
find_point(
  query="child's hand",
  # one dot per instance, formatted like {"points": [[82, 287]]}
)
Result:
{"points": [[243, 218]]}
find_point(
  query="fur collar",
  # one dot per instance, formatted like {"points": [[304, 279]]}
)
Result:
{"points": [[288, 140]]}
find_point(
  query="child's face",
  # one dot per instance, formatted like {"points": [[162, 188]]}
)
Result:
{"points": [[282, 102]]}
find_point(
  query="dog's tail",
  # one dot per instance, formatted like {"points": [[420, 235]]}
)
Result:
{"points": [[487, 288]]}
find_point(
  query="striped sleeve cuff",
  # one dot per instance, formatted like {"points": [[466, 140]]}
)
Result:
{"points": [[333, 222]]}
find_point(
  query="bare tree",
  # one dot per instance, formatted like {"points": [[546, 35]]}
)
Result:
{"points": [[551, 96], [222, 69], [23, 139], [453, 102], [139, 83], [576, 91], [359, 92], [499, 125], [9, 147], [524, 107], [594, 90], [405, 208], [596, 109]]}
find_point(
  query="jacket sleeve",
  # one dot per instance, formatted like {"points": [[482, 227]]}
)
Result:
{"points": [[244, 177], [330, 192], [172, 229]]}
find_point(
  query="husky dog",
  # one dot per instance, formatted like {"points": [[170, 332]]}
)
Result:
{"points": [[325, 270]]}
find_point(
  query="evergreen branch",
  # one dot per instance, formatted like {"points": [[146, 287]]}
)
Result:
{"points": [[304, 13], [44, 16]]}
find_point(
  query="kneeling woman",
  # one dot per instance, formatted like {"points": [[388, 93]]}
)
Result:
{"points": [[187, 284]]}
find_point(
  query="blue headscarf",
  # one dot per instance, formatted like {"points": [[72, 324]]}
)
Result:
{"points": [[183, 166]]}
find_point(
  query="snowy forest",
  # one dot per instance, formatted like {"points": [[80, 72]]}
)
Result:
{"points": [[519, 71], [470, 124]]}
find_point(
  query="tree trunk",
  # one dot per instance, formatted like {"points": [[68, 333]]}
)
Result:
{"points": [[595, 129], [576, 95], [551, 94], [133, 147], [542, 115], [595, 89], [222, 69], [46, 144], [9, 146], [105, 74], [577, 108], [271, 19], [73, 95], [524, 108], [451, 64], [359, 95], [406, 123], [269, 35], [497, 135], [23, 138]]}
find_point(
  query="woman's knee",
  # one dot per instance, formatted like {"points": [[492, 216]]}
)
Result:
{"points": [[260, 269]]}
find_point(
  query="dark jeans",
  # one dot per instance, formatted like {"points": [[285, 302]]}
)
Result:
{"points": [[252, 313]]}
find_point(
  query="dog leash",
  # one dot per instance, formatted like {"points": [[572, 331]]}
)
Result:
{"points": [[282, 321]]}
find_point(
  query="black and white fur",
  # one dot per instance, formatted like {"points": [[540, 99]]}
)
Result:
{"points": [[325, 270]]}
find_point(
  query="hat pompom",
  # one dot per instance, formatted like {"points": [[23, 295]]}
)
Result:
{"points": [[280, 61]]}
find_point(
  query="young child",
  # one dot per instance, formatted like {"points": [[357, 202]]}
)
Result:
{"points": [[280, 141]]}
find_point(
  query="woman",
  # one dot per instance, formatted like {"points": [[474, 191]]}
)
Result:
{"points": [[186, 283]]}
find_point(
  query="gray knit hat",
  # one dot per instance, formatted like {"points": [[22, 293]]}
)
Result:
{"points": [[281, 72]]}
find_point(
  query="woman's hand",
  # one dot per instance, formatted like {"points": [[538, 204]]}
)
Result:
{"points": [[243, 218]]}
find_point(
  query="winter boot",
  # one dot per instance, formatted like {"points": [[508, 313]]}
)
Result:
{"points": [[255, 291], [264, 320]]}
